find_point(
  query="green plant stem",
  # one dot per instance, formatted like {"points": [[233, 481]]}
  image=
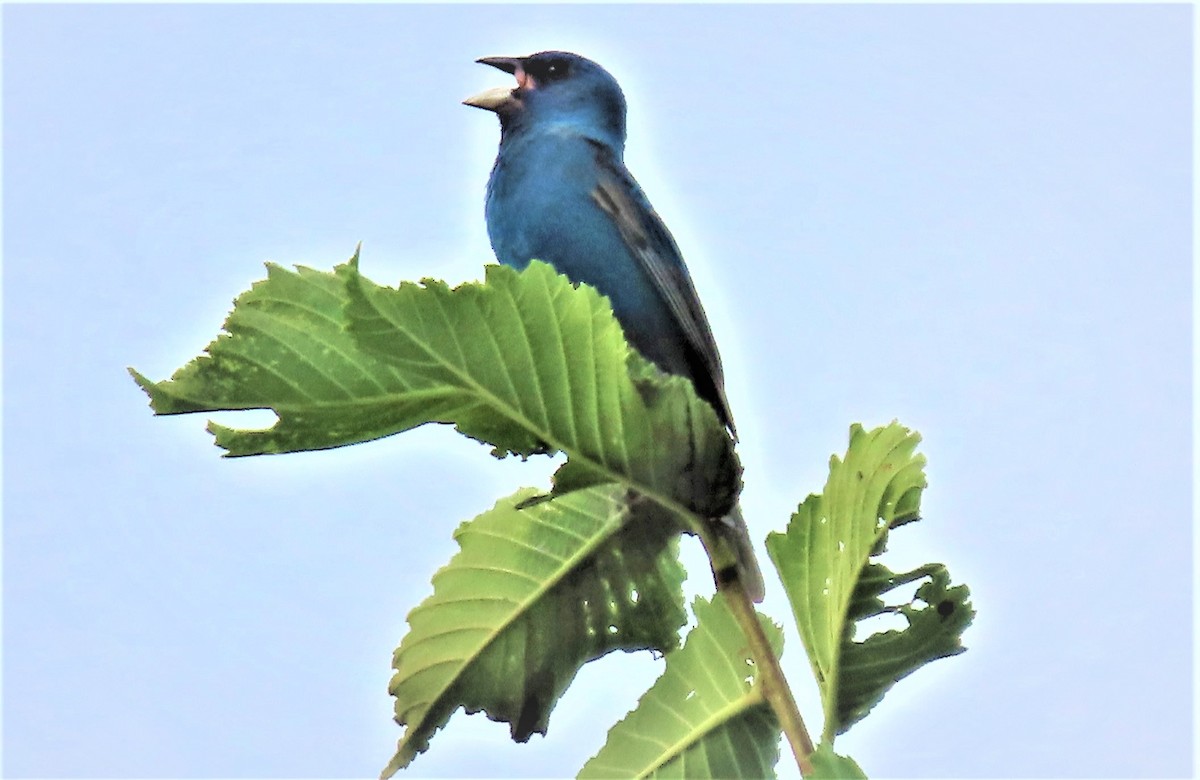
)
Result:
{"points": [[774, 685]]}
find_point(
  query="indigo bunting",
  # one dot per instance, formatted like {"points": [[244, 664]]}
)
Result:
{"points": [[560, 192]]}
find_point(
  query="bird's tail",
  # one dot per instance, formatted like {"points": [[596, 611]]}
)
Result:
{"points": [[733, 528]]}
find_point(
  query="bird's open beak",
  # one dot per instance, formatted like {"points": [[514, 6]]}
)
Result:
{"points": [[500, 98], [506, 64]]}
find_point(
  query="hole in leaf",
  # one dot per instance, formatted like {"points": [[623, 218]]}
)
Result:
{"points": [[891, 620], [245, 419]]}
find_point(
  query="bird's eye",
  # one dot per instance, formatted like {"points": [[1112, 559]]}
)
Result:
{"points": [[555, 70]]}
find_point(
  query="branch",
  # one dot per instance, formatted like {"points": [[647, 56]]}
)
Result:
{"points": [[774, 684]]}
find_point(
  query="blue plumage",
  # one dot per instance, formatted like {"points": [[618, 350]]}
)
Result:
{"points": [[560, 192]]}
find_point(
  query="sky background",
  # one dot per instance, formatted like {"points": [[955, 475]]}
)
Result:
{"points": [[974, 219]]}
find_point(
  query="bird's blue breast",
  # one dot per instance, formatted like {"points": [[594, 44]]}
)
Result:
{"points": [[540, 205]]}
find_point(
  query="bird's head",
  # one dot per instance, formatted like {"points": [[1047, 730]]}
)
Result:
{"points": [[557, 88]]}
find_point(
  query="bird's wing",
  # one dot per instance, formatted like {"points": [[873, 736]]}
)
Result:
{"points": [[649, 241]]}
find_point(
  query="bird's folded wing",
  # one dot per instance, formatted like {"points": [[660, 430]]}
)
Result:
{"points": [[651, 244]]}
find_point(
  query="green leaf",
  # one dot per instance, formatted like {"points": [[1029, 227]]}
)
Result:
{"points": [[531, 596], [828, 765], [526, 362], [287, 347], [705, 717], [540, 363], [827, 563]]}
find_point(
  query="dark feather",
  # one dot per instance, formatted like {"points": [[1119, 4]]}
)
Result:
{"points": [[650, 243]]}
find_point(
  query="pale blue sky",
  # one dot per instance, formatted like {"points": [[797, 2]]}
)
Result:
{"points": [[976, 220]]}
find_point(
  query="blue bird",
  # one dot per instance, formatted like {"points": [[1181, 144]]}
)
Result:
{"points": [[560, 192]]}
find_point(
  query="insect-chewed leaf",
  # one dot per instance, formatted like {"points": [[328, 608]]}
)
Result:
{"points": [[531, 596], [525, 361], [287, 347], [705, 717], [826, 562]]}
